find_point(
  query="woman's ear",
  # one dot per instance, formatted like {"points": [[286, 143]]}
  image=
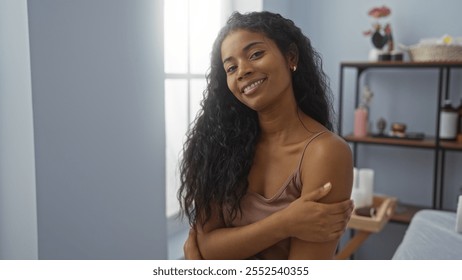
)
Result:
{"points": [[292, 56]]}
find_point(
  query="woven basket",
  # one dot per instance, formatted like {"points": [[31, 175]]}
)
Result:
{"points": [[435, 53]]}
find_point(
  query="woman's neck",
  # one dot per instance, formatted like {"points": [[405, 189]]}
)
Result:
{"points": [[282, 123]]}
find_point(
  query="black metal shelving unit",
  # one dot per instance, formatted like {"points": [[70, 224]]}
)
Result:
{"points": [[439, 146]]}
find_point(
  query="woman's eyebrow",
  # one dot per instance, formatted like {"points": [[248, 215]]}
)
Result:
{"points": [[246, 48]]}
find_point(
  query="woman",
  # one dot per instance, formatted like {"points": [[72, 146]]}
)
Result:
{"points": [[261, 149]]}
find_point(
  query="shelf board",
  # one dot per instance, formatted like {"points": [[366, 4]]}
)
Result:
{"points": [[428, 143], [451, 145], [405, 212], [402, 64]]}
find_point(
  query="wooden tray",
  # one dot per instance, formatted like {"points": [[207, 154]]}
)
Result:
{"points": [[385, 207]]}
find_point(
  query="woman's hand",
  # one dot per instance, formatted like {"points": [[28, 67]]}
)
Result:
{"points": [[312, 221], [191, 248], [305, 219]]}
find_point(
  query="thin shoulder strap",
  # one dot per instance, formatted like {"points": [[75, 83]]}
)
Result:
{"points": [[306, 146]]}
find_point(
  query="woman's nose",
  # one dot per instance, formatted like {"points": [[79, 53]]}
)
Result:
{"points": [[245, 69]]}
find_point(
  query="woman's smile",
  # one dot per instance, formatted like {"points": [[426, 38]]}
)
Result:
{"points": [[252, 86]]}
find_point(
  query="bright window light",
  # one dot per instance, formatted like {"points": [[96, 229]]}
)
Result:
{"points": [[190, 27]]}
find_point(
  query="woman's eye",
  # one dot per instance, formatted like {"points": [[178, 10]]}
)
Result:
{"points": [[256, 54], [230, 69]]}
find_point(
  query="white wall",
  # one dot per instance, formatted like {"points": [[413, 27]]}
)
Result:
{"points": [[244, 6], [18, 219]]}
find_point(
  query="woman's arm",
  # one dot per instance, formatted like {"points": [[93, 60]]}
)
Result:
{"points": [[327, 158], [215, 241]]}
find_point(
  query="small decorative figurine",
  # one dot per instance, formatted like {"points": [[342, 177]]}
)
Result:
{"points": [[380, 33], [381, 126], [367, 96]]}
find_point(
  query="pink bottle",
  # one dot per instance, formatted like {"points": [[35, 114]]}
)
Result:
{"points": [[360, 125]]}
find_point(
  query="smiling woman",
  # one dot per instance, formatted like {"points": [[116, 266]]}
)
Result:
{"points": [[262, 148]]}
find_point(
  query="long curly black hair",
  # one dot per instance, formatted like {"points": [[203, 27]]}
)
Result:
{"points": [[219, 149]]}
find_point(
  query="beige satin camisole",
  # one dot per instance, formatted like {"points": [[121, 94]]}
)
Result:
{"points": [[256, 207]]}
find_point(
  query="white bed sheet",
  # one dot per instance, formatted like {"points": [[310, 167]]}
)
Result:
{"points": [[431, 235]]}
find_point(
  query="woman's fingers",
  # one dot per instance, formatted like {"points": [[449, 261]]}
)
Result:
{"points": [[340, 211], [318, 193], [190, 247], [335, 219], [345, 206], [313, 221]]}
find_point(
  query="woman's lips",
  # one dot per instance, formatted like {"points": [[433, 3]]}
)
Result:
{"points": [[248, 89]]}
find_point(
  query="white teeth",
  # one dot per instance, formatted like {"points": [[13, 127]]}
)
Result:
{"points": [[252, 86]]}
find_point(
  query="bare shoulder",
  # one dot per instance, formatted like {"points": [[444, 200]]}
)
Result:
{"points": [[329, 144], [328, 158]]}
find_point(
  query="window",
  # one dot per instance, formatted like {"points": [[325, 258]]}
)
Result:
{"points": [[188, 40], [190, 27]]}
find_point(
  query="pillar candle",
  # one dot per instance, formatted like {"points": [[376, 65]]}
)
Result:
{"points": [[357, 194], [359, 198], [366, 185], [355, 178]]}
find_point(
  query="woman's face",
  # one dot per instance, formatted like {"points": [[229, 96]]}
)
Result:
{"points": [[258, 74]]}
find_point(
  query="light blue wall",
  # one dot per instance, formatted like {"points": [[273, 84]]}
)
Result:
{"points": [[335, 29], [18, 209], [97, 87]]}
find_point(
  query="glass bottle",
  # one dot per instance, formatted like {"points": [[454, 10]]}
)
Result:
{"points": [[361, 121], [459, 111], [448, 121]]}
